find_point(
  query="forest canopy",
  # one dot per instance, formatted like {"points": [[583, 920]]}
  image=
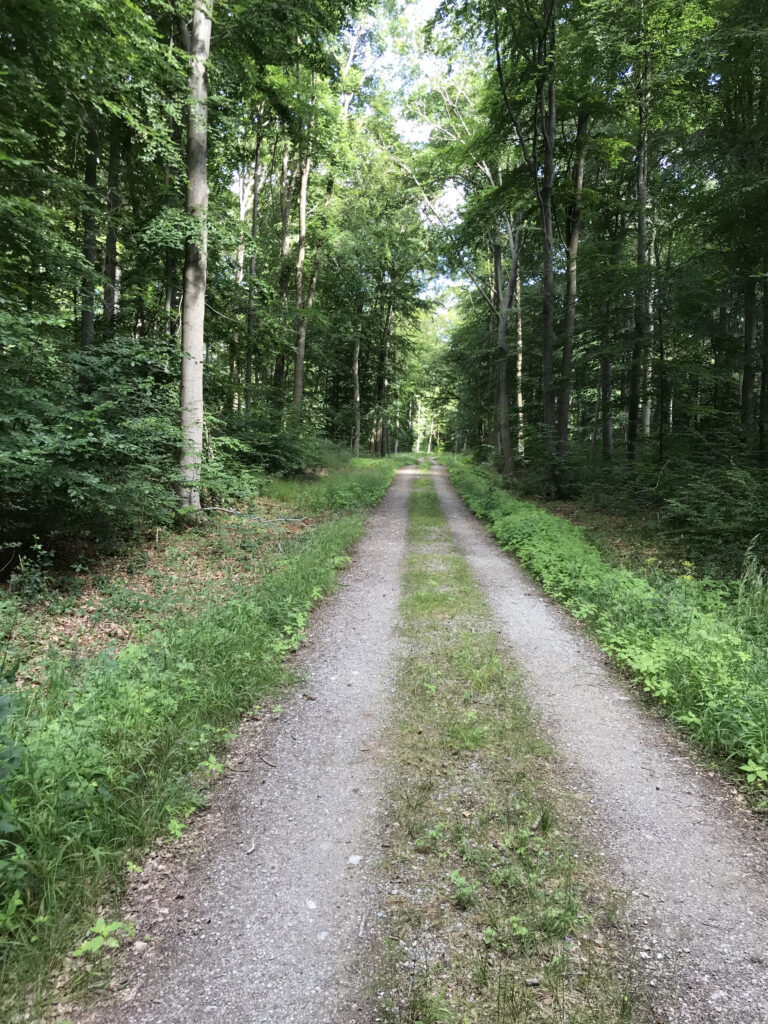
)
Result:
{"points": [[235, 233]]}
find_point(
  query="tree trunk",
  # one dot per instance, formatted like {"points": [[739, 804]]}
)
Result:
{"points": [[662, 382], [286, 193], [750, 333], [764, 374], [596, 421], [87, 293], [110, 246], [381, 378], [504, 299], [257, 183], [301, 340], [572, 227], [606, 389], [356, 386], [198, 39], [519, 325], [642, 290], [301, 325], [548, 117]]}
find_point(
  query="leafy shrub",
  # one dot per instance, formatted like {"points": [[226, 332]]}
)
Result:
{"points": [[265, 443], [91, 461], [680, 637], [722, 508]]}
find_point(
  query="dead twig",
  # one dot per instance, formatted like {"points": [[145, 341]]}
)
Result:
{"points": [[247, 515]]}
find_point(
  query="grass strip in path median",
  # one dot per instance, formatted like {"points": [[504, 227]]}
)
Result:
{"points": [[492, 915]]}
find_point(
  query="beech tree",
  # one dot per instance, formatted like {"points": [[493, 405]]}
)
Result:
{"points": [[196, 36]]}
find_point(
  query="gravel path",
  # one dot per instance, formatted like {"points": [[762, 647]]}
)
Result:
{"points": [[276, 914], [674, 837]]}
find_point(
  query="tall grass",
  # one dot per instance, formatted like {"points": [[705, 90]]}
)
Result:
{"points": [[699, 653], [108, 754]]}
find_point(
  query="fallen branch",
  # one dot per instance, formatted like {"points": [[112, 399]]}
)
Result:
{"points": [[247, 515]]}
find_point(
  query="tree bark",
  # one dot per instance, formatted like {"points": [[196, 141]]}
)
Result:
{"points": [[642, 291], [381, 379], [763, 407], [750, 333], [356, 386], [606, 389], [572, 227], [301, 324], [257, 183], [110, 246], [504, 294], [286, 193], [198, 38], [301, 339], [87, 291], [548, 117], [519, 381]]}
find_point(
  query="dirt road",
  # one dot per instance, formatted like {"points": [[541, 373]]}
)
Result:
{"points": [[694, 863], [273, 918], [273, 921]]}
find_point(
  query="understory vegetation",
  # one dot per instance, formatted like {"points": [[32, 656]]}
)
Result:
{"points": [[493, 913], [104, 753], [698, 645]]}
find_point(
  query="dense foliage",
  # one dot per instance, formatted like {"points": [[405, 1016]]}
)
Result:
{"points": [[308, 235], [607, 167]]}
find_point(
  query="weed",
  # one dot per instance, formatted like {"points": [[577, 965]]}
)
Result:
{"points": [[464, 892], [103, 936]]}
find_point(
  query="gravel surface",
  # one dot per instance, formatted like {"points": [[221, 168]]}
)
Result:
{"points": [[673, 835], [273, 920]]}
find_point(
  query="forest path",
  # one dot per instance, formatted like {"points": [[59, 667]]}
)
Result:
{"points": [[694, 863], [268, 925]]}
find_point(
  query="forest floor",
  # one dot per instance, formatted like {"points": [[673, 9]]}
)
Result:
{"points": [[463, 814]]}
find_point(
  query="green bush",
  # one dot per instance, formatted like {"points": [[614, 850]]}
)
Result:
{"points": [[78, 459], [682, 638]]}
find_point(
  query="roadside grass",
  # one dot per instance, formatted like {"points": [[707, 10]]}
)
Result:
{"points": [[108, 753], [125, 598], [493, 915], [699, 647]]}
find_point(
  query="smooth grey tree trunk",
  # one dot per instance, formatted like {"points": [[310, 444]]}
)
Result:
{"points": [[356, 386], [750, 334], [198, 39], [640, 345], [110, 245], [257, 184], [519, 381], [504, 293], [606, 389], [87, 293], [763, 407], [301, 324], [286, 194], [548, 128], [572, 228]]}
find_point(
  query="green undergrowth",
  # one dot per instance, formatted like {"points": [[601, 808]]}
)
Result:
{"points": [[112, 751], [493, 915], [694, 645]]}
